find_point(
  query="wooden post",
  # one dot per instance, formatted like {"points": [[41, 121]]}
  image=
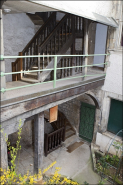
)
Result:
{"points": [[85, 61], [73, 45], [13, 70], [38, 141], [38, 66], [21, 64], [2, 62]]}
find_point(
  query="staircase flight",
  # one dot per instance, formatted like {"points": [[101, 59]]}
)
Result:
{"points": [[53, 38]]}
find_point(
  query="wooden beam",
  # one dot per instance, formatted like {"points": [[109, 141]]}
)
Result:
{"points": [[38, 141], [20, 108]]}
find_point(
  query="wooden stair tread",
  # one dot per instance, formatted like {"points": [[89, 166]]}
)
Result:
{"points": [[68, 130], [29, 80], [69, 133], [31, 73], [69, 136]]}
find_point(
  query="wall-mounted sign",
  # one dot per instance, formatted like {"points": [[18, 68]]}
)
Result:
{"points": [[53, 113]]}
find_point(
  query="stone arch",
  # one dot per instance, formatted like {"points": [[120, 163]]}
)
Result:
{"points": [[98, 106], [9, 129]]}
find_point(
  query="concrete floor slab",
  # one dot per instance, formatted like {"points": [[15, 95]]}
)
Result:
{"points": [[76, 165], [47, 87]]}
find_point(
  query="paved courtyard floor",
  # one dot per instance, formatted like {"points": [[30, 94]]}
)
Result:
{"points": [[76, 165]]}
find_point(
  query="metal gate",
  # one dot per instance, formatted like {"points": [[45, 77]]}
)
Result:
{"points": [[87, 118]]}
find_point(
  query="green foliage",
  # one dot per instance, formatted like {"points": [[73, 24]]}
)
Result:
{"points": [[13, 150], [118, 146], [102, 162], [101, 182], [85, 183]]}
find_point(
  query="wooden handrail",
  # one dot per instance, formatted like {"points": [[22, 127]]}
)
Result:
{"points": [[54, 132], [54, 140], [39, 31], [54, 31]]}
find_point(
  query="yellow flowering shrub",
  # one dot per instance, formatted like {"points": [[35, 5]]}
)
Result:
{"points": [[10, 176]]}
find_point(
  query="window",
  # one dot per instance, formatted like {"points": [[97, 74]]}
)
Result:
{"points": [[115, 122]]}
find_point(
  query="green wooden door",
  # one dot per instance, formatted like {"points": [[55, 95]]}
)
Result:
{"points": [[115, 122], [87, 118]]}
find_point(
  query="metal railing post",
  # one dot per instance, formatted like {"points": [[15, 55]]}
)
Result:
{"points": [[55, 65]]}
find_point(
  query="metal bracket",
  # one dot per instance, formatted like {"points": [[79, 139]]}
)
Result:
{"points": [[3, 90], [108, 64], [2, 74], [1, 57]]}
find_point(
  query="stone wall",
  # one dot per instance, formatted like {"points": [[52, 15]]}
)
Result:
{"points": [[71, 109], [27, 136], [18, 30]]}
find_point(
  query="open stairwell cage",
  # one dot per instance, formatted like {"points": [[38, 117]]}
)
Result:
{"points": [[113, 163]]}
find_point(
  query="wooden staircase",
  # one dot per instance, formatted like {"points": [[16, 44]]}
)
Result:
{"points": [[62, 131], [62, 121], [53, 38]]}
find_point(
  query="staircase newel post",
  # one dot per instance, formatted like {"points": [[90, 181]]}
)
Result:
{"points": [[38, 66], [55, 65], [20, 65]]}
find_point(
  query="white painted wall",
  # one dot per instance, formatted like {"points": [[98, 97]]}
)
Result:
{"points": [[104, 8], [114, 74], [105, 141], [18, 30]]}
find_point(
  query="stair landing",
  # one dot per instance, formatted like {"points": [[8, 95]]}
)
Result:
{"points": [[45, 88]]}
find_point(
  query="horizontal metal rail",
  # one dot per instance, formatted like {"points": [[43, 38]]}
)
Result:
{"points": [[32, 71], [14, 88], [55, 69], [2, 57]]}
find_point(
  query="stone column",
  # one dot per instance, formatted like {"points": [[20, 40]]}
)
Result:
{"points": [[3, 152], [2, 62], [38, 141]]}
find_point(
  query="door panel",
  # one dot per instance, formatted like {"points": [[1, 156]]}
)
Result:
{"points": [[87, 118], [115, 122]]}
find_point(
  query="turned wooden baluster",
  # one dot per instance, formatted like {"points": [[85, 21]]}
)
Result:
{"points": [[46, 149], [62, 34], [62, 65], [58, 138], [58, 39], [65, 31], [49, 143], [55, 140], [54, 44]]}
